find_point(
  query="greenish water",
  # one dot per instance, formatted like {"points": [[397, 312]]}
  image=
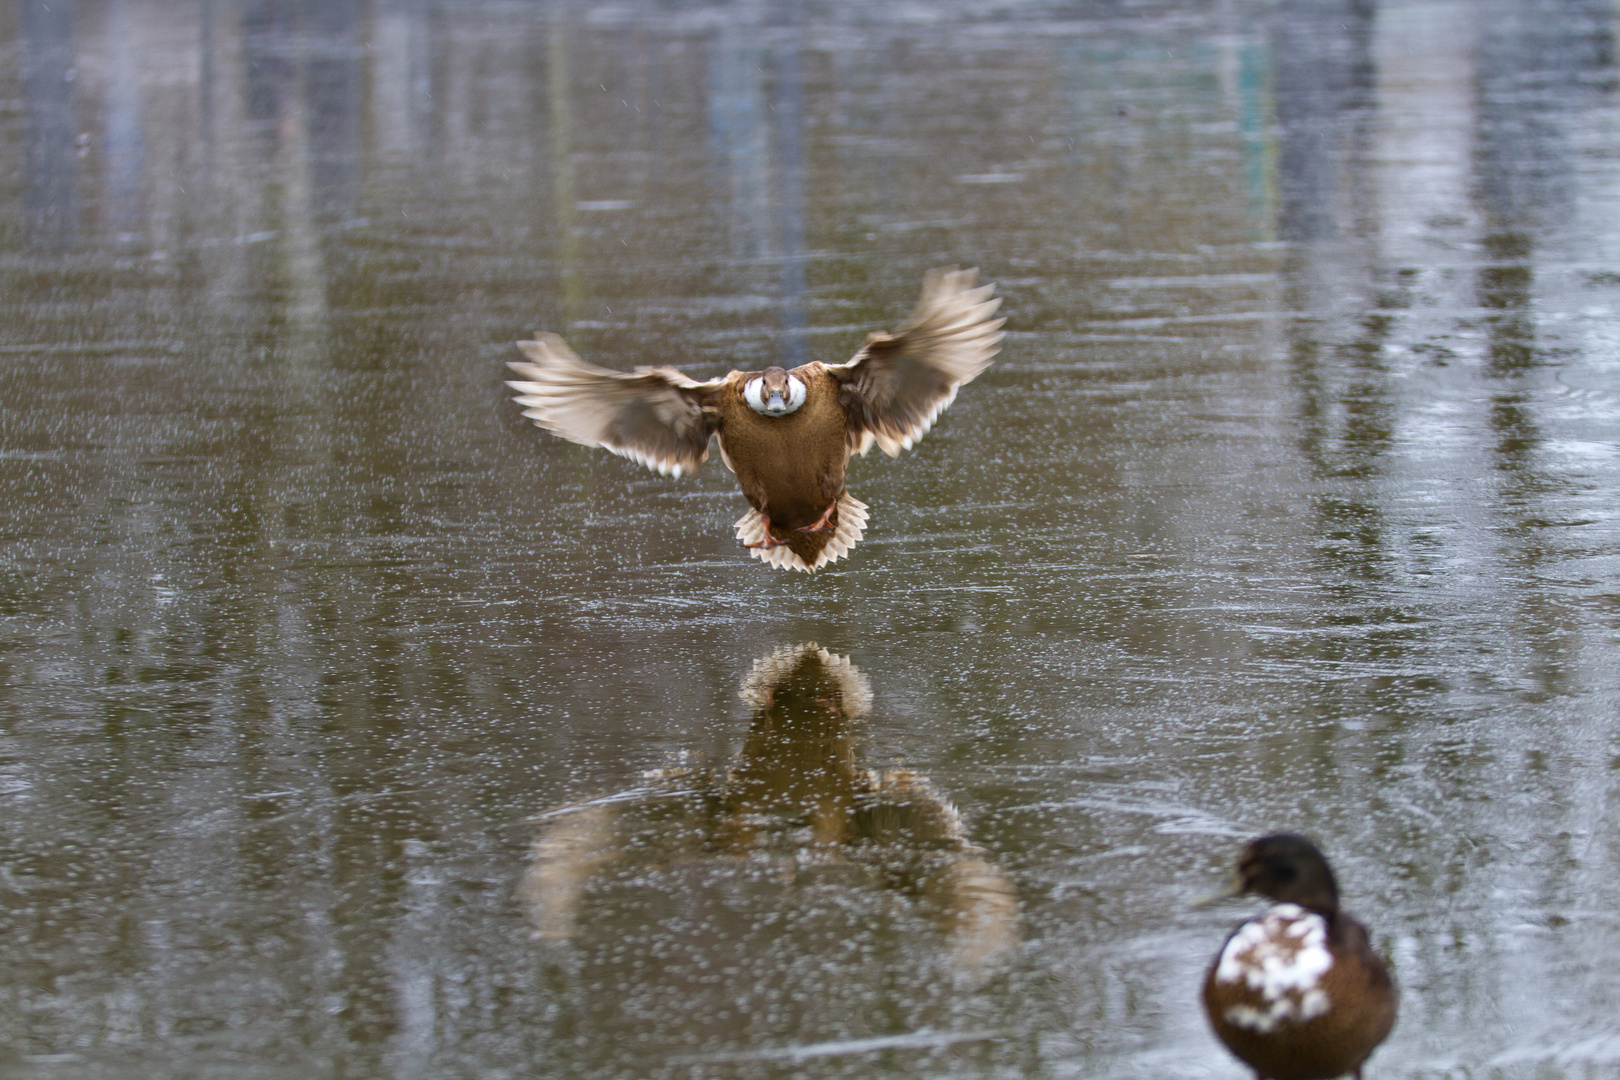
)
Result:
{"points": [[352, 727]]}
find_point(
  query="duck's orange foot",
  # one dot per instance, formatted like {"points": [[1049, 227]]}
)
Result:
{"points": [[827, 522], [766, 540]]}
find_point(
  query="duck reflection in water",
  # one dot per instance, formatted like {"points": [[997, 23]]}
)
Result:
{"points": [[796, 798]]}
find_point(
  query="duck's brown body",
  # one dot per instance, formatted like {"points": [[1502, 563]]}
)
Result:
{"points": [[790, 468], [787, 435], [1298, 992], [1358, 1013]]}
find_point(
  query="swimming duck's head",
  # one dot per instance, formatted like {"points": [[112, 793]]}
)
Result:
{"points": [[1288, 868]]}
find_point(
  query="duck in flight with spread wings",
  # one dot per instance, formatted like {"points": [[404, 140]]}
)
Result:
{"points": [[788, 435]]}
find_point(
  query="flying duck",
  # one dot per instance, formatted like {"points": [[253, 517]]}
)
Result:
{"points": [[787, 434], [1297, 992]]}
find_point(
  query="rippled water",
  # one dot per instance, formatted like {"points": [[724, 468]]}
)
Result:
{"points": [[352, 727]]}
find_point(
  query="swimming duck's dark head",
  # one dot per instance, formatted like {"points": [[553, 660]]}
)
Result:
{"points": [[774, 393], [1288, 868]]}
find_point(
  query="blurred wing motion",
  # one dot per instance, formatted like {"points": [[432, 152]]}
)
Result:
{"points": [[655, 416], [897, 384]]}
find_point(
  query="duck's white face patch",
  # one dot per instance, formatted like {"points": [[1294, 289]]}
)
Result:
{"points": [[1281, 957], [774, 403]]}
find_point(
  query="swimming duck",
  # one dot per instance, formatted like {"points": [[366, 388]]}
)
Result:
{"points": [[787, 434], [1297, 992]]}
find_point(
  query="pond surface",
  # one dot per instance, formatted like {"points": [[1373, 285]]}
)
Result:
{"points": [[352, 727]]}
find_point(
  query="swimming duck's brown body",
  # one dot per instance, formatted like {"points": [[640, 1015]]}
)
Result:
{"points": [[787, 435], [1297, 992]]}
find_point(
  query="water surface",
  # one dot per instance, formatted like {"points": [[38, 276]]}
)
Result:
{"points": [[1290, 503]]}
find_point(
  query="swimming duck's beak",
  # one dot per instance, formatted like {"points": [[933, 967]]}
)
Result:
{"points": [[776, 403], [1232, 887]]}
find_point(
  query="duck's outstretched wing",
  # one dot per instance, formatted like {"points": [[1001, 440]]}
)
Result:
{"points": [[656, 416], [897, 384]]}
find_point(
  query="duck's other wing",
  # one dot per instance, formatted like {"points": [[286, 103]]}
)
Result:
{"points": [[897, 384], [656, 416]]}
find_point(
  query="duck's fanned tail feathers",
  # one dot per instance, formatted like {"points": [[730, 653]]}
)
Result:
{"points": [[807, 551]]}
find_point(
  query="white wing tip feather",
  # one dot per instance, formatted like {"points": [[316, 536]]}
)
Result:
{"points": [[892, 445], [851, 526], [663, 468]]}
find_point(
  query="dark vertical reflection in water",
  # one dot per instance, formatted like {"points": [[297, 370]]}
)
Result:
{"points": [[1539, 66], [267, 68], [736, 132], [787, 105], [1535, 65], [332, 98], [560, 151], [124, 143], [50, 162], [1323, 75], [1324, 84]]}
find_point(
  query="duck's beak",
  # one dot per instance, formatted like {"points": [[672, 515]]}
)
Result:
{"points": [[1233, 887]]}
